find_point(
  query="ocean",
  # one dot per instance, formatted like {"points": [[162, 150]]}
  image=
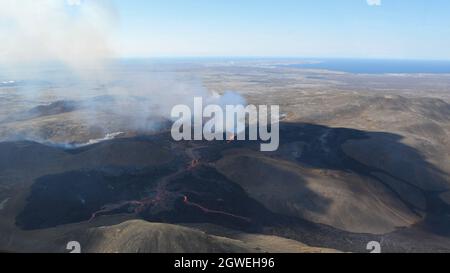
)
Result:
{"points": [[360, 66]]}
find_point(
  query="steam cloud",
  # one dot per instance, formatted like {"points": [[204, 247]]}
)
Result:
{"points": [[73, 32], [78, 35]]}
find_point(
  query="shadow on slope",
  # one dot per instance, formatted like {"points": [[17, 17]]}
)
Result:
{"points": [[201, 194]]}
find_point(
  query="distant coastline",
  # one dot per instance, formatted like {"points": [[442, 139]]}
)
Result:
{"points": [[377, 66]]}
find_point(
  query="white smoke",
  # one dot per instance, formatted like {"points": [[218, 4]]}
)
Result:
{"points": [[78, 34], [73, 32]]}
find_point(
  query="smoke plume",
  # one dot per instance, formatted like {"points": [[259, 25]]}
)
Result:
{"points": [[67, 43], [74, 33]]}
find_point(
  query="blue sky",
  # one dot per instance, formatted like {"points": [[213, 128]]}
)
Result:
{"points": [[83, 31], [418, 29]]}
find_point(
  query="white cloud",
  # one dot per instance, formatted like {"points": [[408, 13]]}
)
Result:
{"points": [[374, 2]]}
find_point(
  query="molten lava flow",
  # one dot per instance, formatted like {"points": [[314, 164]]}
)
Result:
{"points": [[231, 138], [141, 205], [206, 210], [194, 164], [162, 195]]}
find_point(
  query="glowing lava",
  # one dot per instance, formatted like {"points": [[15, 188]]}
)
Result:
{"points": [[162, 195], [231, 138], [193, 165]]}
